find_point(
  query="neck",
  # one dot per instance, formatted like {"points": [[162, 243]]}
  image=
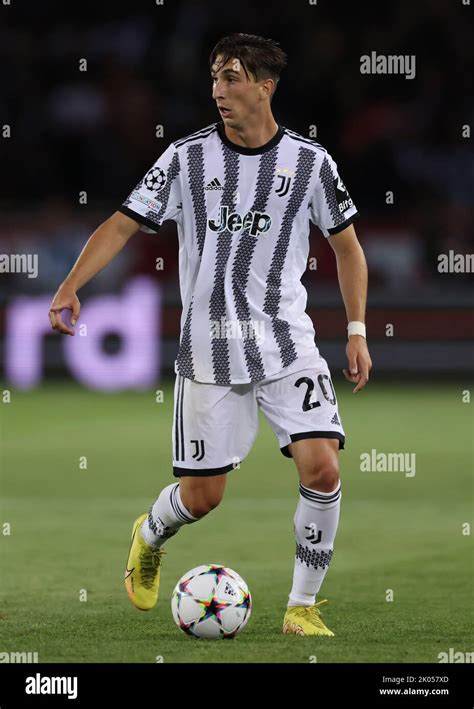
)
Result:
{"points": [[255, 133]]}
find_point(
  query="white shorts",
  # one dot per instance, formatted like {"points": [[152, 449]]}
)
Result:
{"points": [[215, 426]]}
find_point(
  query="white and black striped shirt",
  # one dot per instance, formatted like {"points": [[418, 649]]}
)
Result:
{"points": [[243, 225]]}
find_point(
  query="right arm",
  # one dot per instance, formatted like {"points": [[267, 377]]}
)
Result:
{"points": [[100, 249]]}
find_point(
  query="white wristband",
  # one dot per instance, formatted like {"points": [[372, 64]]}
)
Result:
{"points": [[356, 328]]}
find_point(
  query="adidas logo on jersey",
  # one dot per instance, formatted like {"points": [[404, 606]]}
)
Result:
{"points": [[214, 185], [335, 420]]}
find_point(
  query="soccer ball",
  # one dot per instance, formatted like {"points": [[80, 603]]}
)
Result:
{"points": [[155, 179], [211, 601]]}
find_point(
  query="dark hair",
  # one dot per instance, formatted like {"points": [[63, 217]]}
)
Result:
{"points": [[259, 56]]}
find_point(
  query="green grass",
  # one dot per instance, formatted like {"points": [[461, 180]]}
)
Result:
{"points": [[70, 530]]}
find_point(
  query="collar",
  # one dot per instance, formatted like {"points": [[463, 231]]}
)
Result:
{"points": [[250, 151]]}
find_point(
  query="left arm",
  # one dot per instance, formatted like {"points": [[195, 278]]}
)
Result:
{"points": [[352, 274]]}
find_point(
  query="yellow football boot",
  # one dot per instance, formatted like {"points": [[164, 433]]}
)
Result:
{"points": [[142, 573], [305, 620]]}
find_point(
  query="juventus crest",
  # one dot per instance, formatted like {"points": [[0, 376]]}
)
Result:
{"points": [[284, 177]]}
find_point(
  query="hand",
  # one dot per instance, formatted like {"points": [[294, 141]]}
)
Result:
{"points": [[65, 299], [359, 360]]}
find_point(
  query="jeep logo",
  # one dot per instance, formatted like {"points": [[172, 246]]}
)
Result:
{"points": [[254, 223]]}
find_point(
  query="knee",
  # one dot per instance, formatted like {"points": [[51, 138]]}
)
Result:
{"points": [[323, 476], [200, 504]]}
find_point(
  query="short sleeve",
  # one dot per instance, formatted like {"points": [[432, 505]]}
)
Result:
{"points": [[331, 207], [157, 197]]}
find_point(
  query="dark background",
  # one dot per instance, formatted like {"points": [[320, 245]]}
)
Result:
{"points": [[147, 66]]}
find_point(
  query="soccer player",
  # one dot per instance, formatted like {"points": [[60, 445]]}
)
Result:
{"points": [[242, 192]]}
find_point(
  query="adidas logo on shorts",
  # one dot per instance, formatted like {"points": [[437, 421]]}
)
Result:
{"points": [[335, 420]]}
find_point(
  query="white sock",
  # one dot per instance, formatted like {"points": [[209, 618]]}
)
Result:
{"points": [[315, 524], [166, 516]]}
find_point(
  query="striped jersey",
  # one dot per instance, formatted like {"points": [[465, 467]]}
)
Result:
{"points": [[242, 217]]}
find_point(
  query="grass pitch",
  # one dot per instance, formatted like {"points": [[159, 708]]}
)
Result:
{"points": [[70, 529]]}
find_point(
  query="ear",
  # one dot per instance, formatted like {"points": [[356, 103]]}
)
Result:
{"points": [[267, 88]]}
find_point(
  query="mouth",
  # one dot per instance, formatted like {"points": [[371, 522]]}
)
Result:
{"points": [[225, 112]]}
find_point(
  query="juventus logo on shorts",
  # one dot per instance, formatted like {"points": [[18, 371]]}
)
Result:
{"points": [[199, 452]]}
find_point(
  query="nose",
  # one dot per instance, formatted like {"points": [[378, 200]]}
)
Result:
{"points": [[216, 90]]}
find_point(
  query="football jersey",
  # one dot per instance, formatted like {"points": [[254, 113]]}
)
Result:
{"points": [[242, 218]]}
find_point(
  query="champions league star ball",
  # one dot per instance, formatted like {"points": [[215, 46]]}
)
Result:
{"points": [[211, 601], [155, 179]]}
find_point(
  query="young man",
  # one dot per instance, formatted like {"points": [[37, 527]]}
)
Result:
{"points": [[242, 192]]}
